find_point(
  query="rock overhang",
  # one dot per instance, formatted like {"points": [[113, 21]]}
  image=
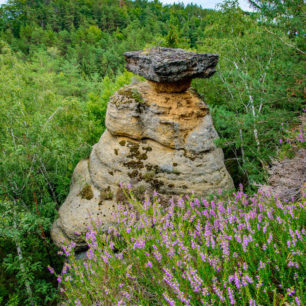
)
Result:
{"points": [[167, 65]]}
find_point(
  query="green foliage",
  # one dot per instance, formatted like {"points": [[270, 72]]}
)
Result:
{"points": [[260, 79], [288, 15], [58, 71], [50, 119]]}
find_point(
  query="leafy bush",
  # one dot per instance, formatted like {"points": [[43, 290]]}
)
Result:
{"points": [[50, 117], [239, 250], [258, 86]]}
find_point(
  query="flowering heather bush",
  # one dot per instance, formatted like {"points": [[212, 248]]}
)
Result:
{"points": [[245, 250]]}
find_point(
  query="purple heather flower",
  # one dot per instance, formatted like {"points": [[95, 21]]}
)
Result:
{"points": [[168, 299], [218, 292], [126, 294], [66, 267], [236, 280], [231, 296], [157, 255], [231, 278], [106, 290], [252, 302], [249, 279], [51, 270], [297, 301], [291, 291], [205, 292], [293, 264], [245, 266]]}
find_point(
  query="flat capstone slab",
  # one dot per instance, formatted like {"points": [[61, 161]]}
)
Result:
{"points": [[171, 65]]}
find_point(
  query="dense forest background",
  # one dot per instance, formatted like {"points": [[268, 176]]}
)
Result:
{"points": [[61, 60]]}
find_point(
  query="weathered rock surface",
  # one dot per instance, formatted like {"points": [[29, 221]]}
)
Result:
{"points": [[156, 140], [161, 142], [174, 120], [171, 65], [81, 207]]}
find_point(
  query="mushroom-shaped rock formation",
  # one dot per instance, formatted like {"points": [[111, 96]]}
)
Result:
{"points": [[171, 70], [158, 138]]}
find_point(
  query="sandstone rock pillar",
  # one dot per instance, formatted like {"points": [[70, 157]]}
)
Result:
{"points": [[159, 136]]}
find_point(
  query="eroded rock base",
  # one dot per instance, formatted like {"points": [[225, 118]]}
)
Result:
{"points": [[171, 87]]}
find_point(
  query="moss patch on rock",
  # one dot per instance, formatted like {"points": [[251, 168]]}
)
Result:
{"points": [[148, 176], [86, 192], [127, 95], [106, 194]]}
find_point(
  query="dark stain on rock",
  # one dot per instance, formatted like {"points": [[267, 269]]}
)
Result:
{"points": [[133, 174], [122, 143], [147, 149], [143, 156], [149, 167], [116, 151], [133, 146], [156, 184], [134, 164], [156, 168]]}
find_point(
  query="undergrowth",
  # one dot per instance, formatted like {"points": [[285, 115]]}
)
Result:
{"points": [[236, 250]]}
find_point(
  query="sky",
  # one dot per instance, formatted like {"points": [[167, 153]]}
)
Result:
{"points": [[208, 3], [204, 3]]}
